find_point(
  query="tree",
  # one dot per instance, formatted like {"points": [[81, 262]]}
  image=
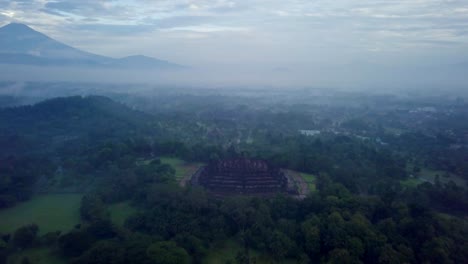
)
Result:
{"points": [[50, 238], [194, 246], [93, 209], [341, 256], [437, 250], [75, 243], [355, 246], [135, 249], [3, 251], [103, 252], [334, 234], [388, 255], [167, 252], [102, 229], [25, 260], [242, 257], [25, 236], [280, 245], [311, 233]]}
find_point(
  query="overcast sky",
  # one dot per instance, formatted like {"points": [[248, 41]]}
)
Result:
{"points": [[276, 35]]}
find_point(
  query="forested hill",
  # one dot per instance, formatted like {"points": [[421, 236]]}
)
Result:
{"points": [[54, 122]]}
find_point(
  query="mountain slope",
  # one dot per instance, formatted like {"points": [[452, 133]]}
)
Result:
{"points": [[20, 44], [19, 39]]}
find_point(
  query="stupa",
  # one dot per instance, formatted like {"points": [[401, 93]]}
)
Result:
{"points": [[241, 176]]}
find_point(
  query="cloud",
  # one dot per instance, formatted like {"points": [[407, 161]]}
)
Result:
{"points": [[238, 13], [206, 28], [269, 34]]}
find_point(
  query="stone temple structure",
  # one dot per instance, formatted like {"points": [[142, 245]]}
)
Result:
{"points": [[241, 176]]}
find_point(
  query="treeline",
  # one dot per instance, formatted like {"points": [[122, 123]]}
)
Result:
{"points": [[18, 176]]}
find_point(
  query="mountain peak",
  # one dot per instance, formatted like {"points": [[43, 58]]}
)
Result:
{"points": [[15, 24], [17, 28], [20, 44]]}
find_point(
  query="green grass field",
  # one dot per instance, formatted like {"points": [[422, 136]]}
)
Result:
{"points": [[428, 175], [119, 212], [178, 165], [411, 182], [310, 179], [51, 212], [181, 167]]}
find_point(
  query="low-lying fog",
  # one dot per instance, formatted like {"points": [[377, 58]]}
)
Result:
{"points": [[364, 78]]}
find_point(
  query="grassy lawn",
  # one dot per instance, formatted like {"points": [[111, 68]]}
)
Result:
{"points": [[304, 182], [412, 182], [310, 179], [428, 175], [50, 212], [181, 167], [36, 256], [119, 212]]}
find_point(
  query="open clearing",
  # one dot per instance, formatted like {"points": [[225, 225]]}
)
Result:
{"points": [[412, 182], [429, 175], [306, 183], [51, 212], [184, 170], [310, 179]]}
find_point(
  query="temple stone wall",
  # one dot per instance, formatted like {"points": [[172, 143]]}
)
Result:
{"points": [[241, 176]]}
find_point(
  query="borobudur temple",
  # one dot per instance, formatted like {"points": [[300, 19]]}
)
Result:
{"points": [[241, 176]]}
